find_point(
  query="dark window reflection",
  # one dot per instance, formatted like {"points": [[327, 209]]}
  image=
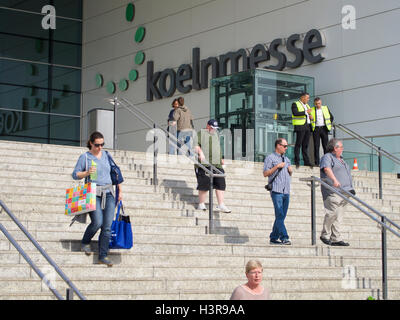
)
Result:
{"points": [[40, 75]]}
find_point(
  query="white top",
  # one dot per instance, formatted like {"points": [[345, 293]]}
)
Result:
{"points": [[320, 118], [243, 293]]}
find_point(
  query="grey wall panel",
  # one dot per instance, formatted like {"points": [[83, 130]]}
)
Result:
{"points": [[360, 66]]}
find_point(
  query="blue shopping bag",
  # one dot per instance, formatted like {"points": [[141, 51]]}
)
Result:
{"points": [[121, 231]]}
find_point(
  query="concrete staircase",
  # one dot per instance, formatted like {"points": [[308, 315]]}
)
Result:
{"points": [[173, 257]]}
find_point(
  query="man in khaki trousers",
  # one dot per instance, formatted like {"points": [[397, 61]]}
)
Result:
{"points": [[336, 172]]}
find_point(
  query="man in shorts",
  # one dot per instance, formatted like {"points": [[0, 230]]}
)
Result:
{"points": [[208, 149]]}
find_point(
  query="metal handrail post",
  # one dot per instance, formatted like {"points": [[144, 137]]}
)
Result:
{"points": [[384, 262], [210, 209], [115, 125], [155, 154], [313, 214], [380, 172], [42, 251], [30, 262], [381, 222]]}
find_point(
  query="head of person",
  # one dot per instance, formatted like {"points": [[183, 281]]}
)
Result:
{"points": [[254, 272], [175, 103], [181, 101], [96, 141], [281, 146], [212, 125], [335, 146], [318, 102], [305, 97]]}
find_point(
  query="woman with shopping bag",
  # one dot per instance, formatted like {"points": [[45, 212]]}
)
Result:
{"points": [[94, 166]]}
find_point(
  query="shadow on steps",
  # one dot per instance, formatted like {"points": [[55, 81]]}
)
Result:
{"points": [[75, 246]]}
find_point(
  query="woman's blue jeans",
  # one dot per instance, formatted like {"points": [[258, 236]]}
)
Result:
{"points": [[281, 205], [101, 218], [186, 138]]}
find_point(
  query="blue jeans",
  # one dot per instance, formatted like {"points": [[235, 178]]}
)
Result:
{"points": [[101, 218], [185, 138], [172, 146], [281, 205]]}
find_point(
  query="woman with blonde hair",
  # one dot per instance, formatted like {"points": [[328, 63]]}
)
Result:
{"points": [[252, 290]]}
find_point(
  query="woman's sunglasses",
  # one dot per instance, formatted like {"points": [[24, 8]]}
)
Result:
{"points": [[98, 145]]}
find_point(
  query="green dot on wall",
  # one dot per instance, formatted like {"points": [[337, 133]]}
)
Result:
{"points": [[123, 85], [39, 46], [99, 80], [130, 12], [111, 87], [139, 35], [139, 58], [31, 69], [133, 75]]}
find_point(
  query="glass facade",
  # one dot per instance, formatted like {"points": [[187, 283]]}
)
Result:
{"points": [[253, 109], [367, 158], [40, 72]]}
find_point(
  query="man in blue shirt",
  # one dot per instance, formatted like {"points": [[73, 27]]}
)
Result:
{"points": [[278, 169], [336, 172]]}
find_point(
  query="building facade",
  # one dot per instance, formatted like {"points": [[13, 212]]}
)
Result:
{"points": [[141, 50]]}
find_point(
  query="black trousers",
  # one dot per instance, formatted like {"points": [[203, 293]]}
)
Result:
{"points": [[319, 134], [302, 140]]}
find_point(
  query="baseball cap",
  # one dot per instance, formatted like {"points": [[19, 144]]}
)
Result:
{"points": [[213, 124]]}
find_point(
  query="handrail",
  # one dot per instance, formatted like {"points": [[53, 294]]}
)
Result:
{"points": [[345, 195], [381, 152], [367, 142], [150, 123], [41, 250]]}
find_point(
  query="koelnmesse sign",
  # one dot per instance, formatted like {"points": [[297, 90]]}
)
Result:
{"points": [[164, 83]]}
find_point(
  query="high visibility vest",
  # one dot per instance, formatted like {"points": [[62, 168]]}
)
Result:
{"points": [[299, 120], [327, 117]]}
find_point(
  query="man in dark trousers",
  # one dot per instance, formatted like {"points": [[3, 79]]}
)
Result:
{"points": [[321, 125], [301, 120]]}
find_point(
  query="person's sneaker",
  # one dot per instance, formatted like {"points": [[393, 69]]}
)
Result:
{"points": [[340, 243], [223, 208], [326, 241], [106, 261], [202, 206], [86, 249], [275, 242], [286, 242]]}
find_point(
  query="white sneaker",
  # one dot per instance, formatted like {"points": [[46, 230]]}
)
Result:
{"points": [[202, 206], [223, 208]]}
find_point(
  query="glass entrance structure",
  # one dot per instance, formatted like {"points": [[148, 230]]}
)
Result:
{"points": [[253, 109]]}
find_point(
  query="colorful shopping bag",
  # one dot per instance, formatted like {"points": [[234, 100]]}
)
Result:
{"points": [[81, 199]]}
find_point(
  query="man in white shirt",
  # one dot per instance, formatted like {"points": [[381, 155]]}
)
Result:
{"points": [[321, 126]]}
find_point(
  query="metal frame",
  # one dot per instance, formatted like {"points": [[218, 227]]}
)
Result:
{"points": [[151, 124], [384, 222], [380, 152], [44, 254]]}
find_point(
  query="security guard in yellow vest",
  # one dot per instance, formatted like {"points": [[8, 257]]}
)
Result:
{"points": [[320, 125], [301, 120]]}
